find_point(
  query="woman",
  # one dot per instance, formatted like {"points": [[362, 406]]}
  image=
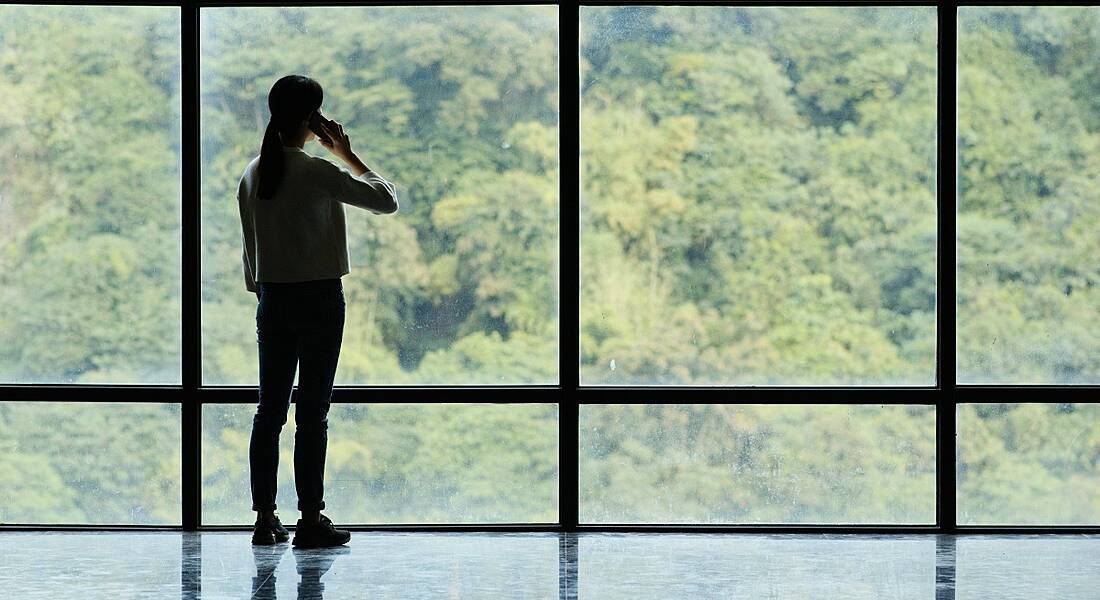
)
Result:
{"points": [[295, 251]]}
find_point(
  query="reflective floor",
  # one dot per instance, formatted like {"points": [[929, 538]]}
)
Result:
{"points": [[115, 566]]}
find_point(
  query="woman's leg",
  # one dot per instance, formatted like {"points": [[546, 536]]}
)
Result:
{"points": [[319, 352], [278, 350]]}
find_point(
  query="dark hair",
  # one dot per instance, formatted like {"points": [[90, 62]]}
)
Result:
{"points": [[291, 100]]}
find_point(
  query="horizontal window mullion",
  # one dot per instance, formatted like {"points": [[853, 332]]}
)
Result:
{"points": [[584, 395], [244, 394], [1026, 394], [416, 395], [863, 529], [92, 393], [708, 395], [1026, 529]]}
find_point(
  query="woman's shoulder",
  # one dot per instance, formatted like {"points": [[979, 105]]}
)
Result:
{"points": [[250, 168], [248, 177], [321, 167], [318, 162]]}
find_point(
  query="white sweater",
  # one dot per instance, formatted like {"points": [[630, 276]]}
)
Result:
{"points": [[299, 234]]}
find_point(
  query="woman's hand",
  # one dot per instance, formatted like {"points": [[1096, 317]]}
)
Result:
{"points": [[340, 144]]}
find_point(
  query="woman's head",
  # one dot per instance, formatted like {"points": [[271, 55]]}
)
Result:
{"points": [[292, 99]]}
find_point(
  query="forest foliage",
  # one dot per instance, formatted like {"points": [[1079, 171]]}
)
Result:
{"points": [[758, 206]]}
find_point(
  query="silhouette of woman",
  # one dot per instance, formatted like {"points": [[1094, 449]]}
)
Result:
{"points": [[295, 252]]}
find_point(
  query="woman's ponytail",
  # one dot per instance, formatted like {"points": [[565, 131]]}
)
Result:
{"points": [[291, 100], [272, 161]]}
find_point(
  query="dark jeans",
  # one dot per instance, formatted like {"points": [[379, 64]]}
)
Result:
{"points": [[296, 323]]}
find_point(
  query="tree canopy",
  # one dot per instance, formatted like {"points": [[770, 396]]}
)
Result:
{"points": [[758, 206]]}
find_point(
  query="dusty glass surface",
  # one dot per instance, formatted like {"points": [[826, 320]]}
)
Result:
{"points": [[90, 463], [90, 194], [458, 107], [786, 464], [758, 195], [1028, 464], [1028, 303], [399, 463]]}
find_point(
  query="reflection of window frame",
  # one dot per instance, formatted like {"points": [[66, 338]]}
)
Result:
{"points": [[569, 394]]}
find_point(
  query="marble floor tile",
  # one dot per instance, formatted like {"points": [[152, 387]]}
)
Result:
{"points": [[488, 566]]}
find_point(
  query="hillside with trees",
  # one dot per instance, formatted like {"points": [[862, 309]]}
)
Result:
{"points": [[758, 207]]}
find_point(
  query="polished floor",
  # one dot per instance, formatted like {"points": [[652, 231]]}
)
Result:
{"points": [[125, 565]]}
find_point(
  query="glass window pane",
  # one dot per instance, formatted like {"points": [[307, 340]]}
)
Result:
{"points": [[784, 464], [90, 463], [758, 188], [90, 194], [1028, 303], [400, 463], [458, 107], [1028, 464]]}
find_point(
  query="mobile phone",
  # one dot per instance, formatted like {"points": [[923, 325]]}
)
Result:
{"points": [[315, 120]]}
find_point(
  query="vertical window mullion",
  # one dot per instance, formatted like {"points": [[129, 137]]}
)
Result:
{"points": [[945, 270], [192, 366], [569, 242]]}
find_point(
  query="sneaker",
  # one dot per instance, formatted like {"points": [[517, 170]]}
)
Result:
{"points": [[267, 533], [319, 535]]}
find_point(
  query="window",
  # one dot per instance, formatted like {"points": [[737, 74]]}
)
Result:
{"points": [[766, 323], [93, 463], [90, 195], [1026, 297], [726, 463], [458, 107], [758, 196], [401, 463], [1028, 464], [1027, 221]]}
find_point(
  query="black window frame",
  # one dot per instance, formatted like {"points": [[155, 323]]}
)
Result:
{"points": [[569, 394]]}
